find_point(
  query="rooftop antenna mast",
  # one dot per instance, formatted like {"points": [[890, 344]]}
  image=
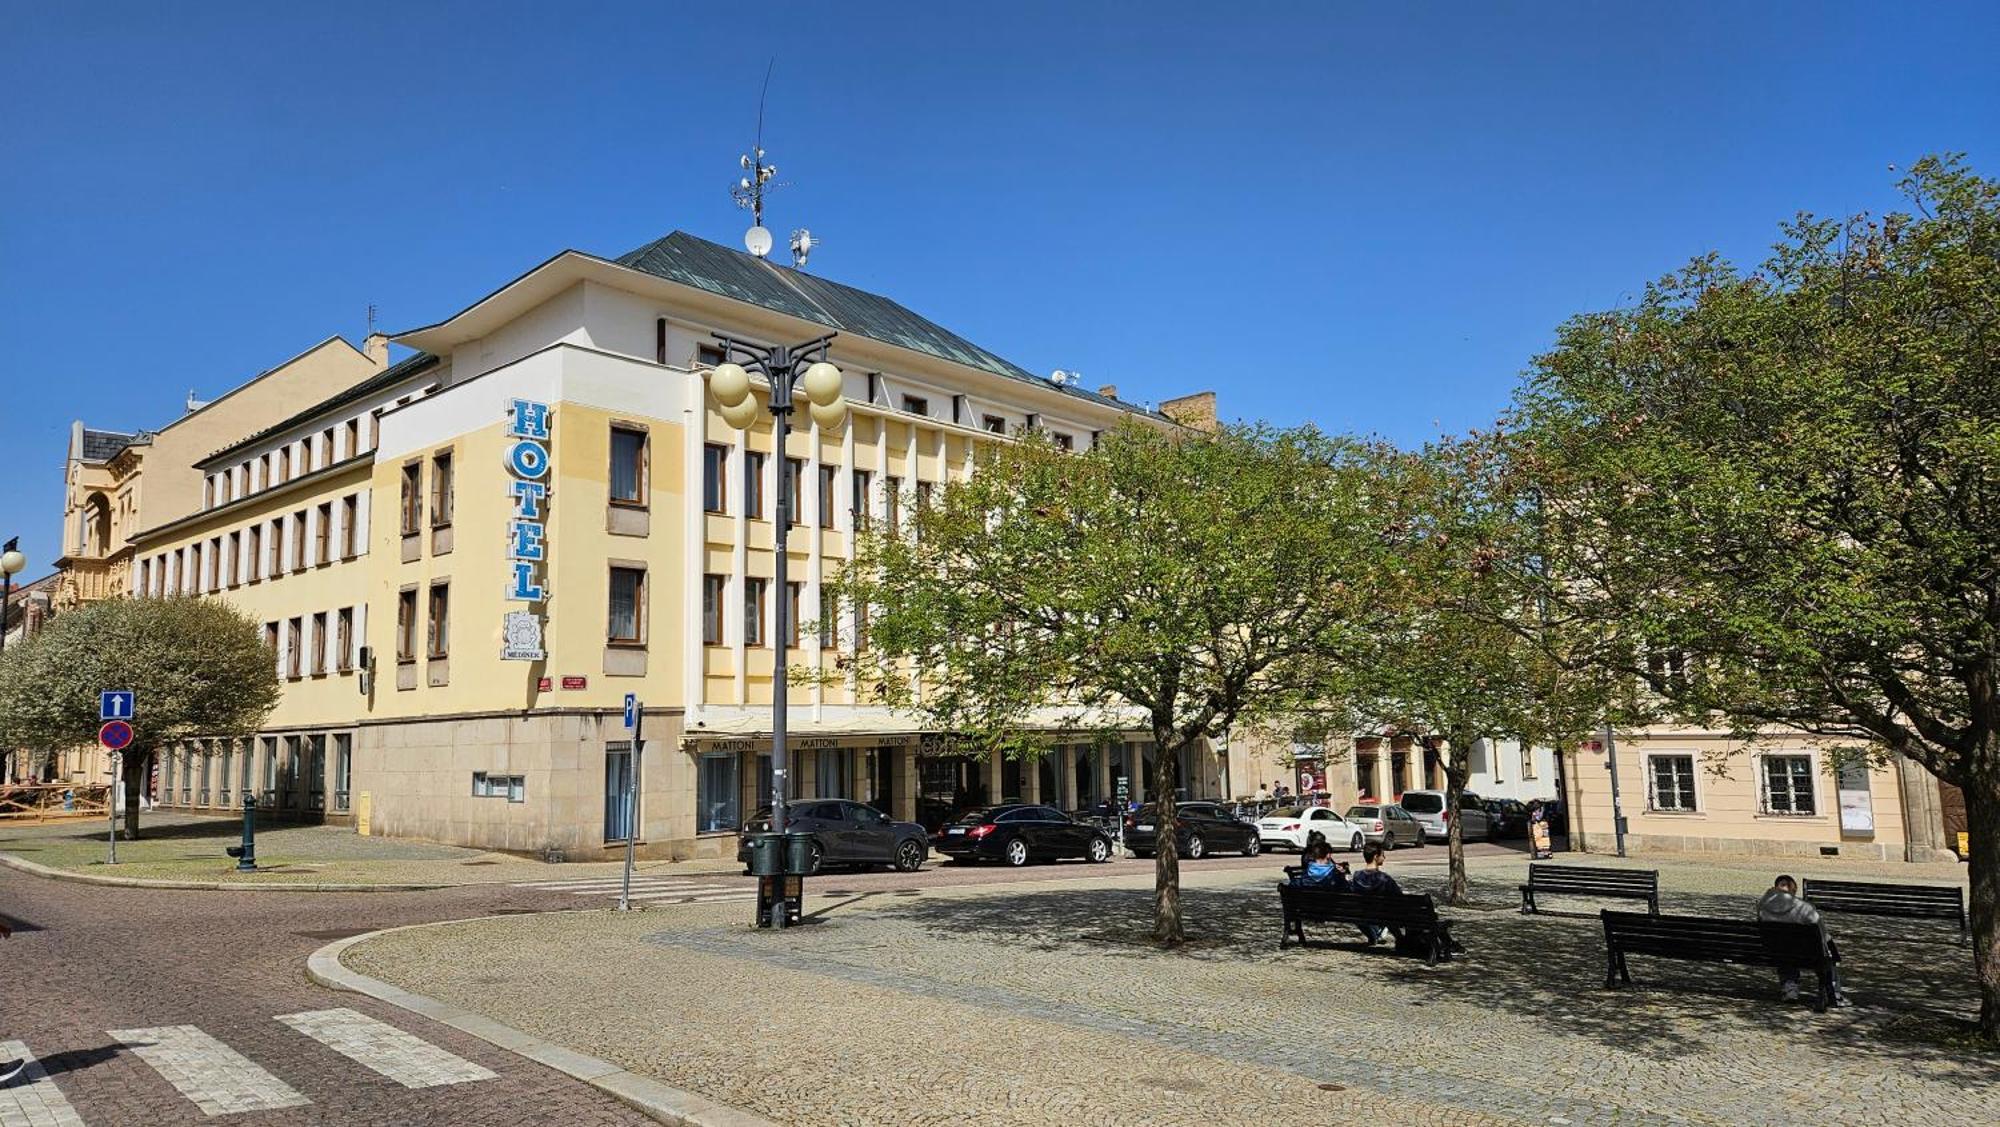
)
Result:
{"points": [[371, 318], [749, 191]]}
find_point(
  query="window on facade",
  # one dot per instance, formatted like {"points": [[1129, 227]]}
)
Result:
{"points": [[343, 769], [275, 566], [754, 590], [256, 555], [707, 355], [1064, 442], [1788, 784], [215, 564], [350, 526], [714, 478], [315, 772], [1670, 783], [892, 503], [795, 597], [224, 774], [712, 590], [437, 638], [829, 618], [718, 798], [353, 437], [443, 485], [406, 625], [326, 447], [753, 484], [795, 490], [860, 627], [271, 637], [1527, 762], [207, 768], [299, 540], [323, 535], [412, 498], [318, 650], [294, 646], [626, 621], [628, 466], [343, 639], [284, 465], [827, 476], [858, 505], [208, 493], [270, 770], [233, 560], [994, 424], [830, 773], [916, 405]]}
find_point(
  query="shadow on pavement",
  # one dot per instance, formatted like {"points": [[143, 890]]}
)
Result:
{"points": [[76, 1060]]}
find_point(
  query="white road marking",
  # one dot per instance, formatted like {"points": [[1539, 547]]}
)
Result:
{"points": [[403, 1057], [611, 882], [217, 1078], [31, 1099]]}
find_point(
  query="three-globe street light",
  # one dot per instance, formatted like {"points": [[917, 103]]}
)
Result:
{"points": [[11, 563], [788, 369]]}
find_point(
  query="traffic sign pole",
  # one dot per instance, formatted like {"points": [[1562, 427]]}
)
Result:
{"points": [[112, 793], [634, 713], [117, 708]]}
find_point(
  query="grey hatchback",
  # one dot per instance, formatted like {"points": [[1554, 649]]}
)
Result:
{"points": [[845, 833], [1387, 823]]}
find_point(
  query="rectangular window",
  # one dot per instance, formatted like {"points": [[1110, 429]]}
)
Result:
{"points": [[858, 502], [628, 466], [830, 773], [233, 563], [795, 596], [438, 638], [795, 490], [353, 437], [1527, 762], [299, 540], [256, 551], [994, 424], [323, 535], [223, 776], [207, 768], [753, 610], [343, 767], [326, 447], [714, 478], [713, 588], [318, 651], [277, 562], [294, 646], [892, 503], [1064, 442], [271, 637], [443, 485], [316, 763], [406, 625], [717, 801], [753, 484], [412, 498], [621, 788], [707, 355], [343, 639], [284, 463], [924, 491], [350, 531], [1670, 783], [829, 618], [916, 405], [827, 476], [270, 771], [628, 601], [1788, 785]]}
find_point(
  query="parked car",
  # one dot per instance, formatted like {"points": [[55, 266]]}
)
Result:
{"points": [[1018, 833], [1506, 817], [1387, 823], [1428, 807], [1200, 828], [845, 833], [1296, 827]]}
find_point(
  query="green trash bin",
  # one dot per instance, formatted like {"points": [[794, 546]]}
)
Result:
{"points": [[767, 855], [799, 850]]}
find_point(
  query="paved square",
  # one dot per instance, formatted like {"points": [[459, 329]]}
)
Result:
{"points": [[32, 1099]]}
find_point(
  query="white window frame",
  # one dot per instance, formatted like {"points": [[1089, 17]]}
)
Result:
{"points": [[1694, 777], [1813, 795]]}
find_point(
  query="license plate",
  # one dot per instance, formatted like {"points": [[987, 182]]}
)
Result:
{"points": [[1144, 827], [954, 831]]}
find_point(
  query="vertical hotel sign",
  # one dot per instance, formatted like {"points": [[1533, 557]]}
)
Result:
{"points": [[527, 541]]}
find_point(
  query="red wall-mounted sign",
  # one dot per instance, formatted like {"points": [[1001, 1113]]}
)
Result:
{"points": [[569, 683]]}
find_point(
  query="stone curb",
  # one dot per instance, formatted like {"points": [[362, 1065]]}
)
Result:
{"points": [[643, 1093], [22, 864]]}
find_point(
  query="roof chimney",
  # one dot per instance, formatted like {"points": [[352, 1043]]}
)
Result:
{"points": [[376, 347], [1108, 391], [1196, 412]]}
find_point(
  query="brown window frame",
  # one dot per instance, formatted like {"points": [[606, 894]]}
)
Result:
{"points": [[406, 626], [318, 629], [444, 489], [756, 610], [638, 635], [795, 491], [829, 480], [715, 478], [754, 462], [642, 483], [323, 535], [343, 640], [350, 520], [413, 497], [714, 597], [437, 620]]}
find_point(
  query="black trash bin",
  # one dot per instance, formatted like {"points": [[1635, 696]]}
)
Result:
{"points": [[767, 855], [799, 849]]}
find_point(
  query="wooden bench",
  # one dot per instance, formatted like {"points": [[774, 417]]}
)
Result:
{"points": [[1869, 898], [1590, 880], [1786, 946], [1411, 914]]}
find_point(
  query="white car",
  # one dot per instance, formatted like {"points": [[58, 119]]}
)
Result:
{"points": [[1295, 827]]}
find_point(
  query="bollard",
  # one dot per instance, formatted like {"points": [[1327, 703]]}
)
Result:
{"points": [[246, 854]]}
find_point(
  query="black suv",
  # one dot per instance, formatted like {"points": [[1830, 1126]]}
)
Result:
{"points": [[1200, 828], [845, 833]]}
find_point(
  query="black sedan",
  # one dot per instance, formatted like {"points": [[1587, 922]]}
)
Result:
{"points": [[845, 833], [1019, 833], [1200, 828], [1506, 817]]}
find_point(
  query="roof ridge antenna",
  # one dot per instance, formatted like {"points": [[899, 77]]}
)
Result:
{"points": [[749, 190]]}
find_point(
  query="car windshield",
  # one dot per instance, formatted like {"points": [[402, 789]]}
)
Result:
{"points": [[977, 817], [1286, 812], [1423, 803], [1364, 812]]}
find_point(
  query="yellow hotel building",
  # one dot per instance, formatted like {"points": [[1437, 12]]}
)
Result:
{"points": [[376, 533]]}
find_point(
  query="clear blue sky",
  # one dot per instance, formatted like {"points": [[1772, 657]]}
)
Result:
{"points": [[1369, 215]]}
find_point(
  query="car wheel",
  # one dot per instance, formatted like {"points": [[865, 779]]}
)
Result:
{"points": [[1388, 842], [1423, 839], [1253, 847], [1100, 850], [1355, 845], [1017, 853], [1196, 850], [909, 857]]}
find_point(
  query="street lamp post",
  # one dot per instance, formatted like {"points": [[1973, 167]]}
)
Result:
{"points": [[788, 369], [11, 563]]}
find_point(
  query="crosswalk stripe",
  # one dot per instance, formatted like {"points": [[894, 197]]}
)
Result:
{"points": [[605, 882], [32, 1099], [403, 1057], [217, 1078], [697, 896]]}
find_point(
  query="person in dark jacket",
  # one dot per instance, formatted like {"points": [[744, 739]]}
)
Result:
{"points": [[1781, 903], [1320, 870], [1372, 879]]}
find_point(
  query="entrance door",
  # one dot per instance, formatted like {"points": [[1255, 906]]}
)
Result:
{"points": [[1951, 803], [617, 780]]}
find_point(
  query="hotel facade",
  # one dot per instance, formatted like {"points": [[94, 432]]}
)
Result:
{"points": [[464, 561]]}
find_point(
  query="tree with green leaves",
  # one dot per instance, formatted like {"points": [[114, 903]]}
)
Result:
{"points": [[1788, 482], [197, 666], [1170, 581]]}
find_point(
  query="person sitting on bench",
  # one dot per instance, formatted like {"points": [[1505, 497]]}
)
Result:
{"points": [[1781, 903], [1371, 878], [1321, 870]]}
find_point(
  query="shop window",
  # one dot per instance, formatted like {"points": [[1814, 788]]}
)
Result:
{"points": [[718, 804], [343, 770]]}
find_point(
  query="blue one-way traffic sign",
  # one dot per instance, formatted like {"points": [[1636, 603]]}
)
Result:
{"points": [[115, 704]]}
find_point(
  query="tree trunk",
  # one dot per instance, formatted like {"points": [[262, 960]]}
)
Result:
{"points": [[1982, 809], [134, 769], [1166, 852], [1457, 753]]}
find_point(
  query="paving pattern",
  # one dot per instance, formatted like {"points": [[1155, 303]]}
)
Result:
{"points": [[217, 1078], [32, 1099], [652, 890], [408, 1060]]}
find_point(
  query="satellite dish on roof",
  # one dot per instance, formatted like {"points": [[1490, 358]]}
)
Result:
{"points": [[757, 240]]}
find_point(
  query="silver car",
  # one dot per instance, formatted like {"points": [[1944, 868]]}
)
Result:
{"points": [[1387, 823], [1428, 806]]}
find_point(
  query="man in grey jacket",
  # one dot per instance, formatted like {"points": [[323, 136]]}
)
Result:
{"points": [[1781, 903]]}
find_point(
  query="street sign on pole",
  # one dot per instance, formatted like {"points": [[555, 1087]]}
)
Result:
{"points": [[633, 714], [115, 735], [631, 711], [115, 704]]}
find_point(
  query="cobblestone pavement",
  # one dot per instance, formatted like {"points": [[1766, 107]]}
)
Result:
{"points": [[1038, 1003], [146, 1006]]}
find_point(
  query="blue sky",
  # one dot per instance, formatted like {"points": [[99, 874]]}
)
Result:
{"points": [[1366, 215]]}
